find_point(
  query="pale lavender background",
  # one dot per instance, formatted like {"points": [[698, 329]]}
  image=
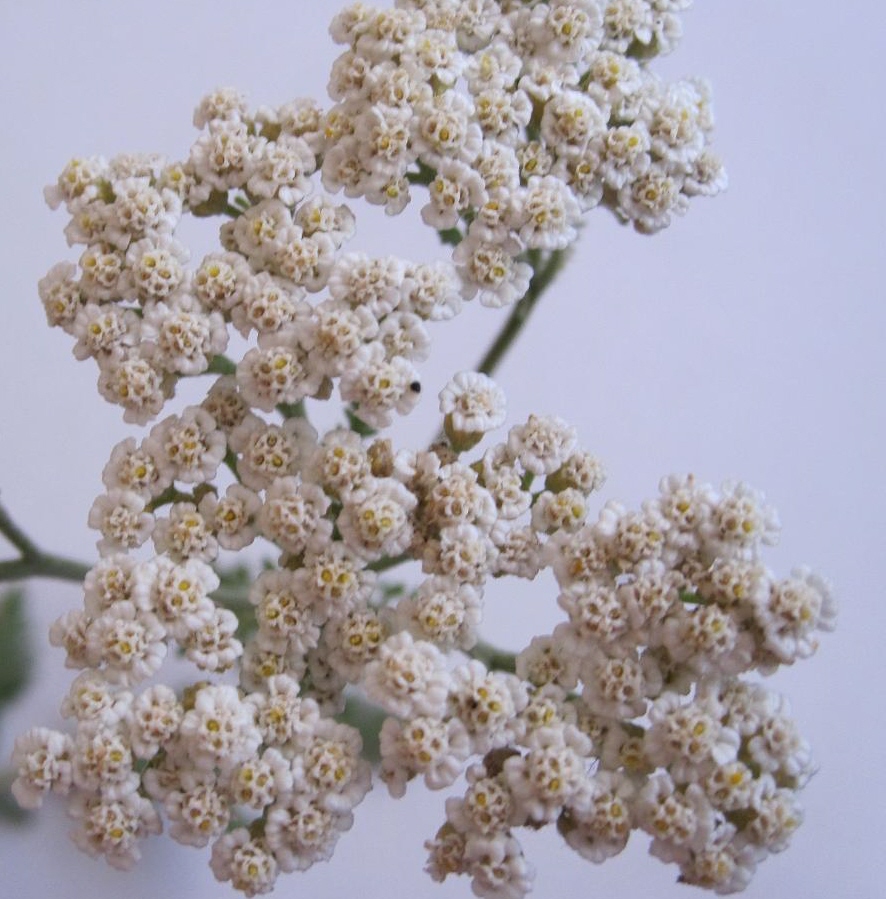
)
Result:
{"points": [[746, 341]]}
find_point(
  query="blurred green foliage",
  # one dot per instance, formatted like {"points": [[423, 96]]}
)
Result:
{"points": [[16, 664]]}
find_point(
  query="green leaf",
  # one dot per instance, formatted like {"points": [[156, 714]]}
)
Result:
{"points": [[231, 461], [450, 236], [368, 719], [233, 594], [9, 808], [425, 174], [292, 410], [15, 654], [493, 658], [691, 598], [221, 365], [358, 426], [216, 204], [643, 52], [390, 590], [106, 191]]}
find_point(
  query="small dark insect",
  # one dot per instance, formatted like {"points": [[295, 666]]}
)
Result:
{"points": [[415, 387]]}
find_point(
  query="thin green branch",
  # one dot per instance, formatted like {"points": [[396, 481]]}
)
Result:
{"points": [[230, 461], [232, 596], [217, 203], [221, 365], [545, 270], [43, 565], [368, 719], [16, 536], [357, 425], [389, 562], [168, 496], [10, 810], [33, 561], [493, 658], [292, 410]]}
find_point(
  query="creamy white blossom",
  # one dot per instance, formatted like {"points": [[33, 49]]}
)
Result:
{"points": [[506, 122]]}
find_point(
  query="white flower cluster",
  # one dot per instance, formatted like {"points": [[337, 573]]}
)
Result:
{"points": [[520, 115], [516, 117], [632, 713], [629, 715]]}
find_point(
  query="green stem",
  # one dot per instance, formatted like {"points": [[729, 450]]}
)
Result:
{"points": [[33, 561], [168, 496], [292, 410], [545, 270], [389, 562], [232, 597], [231, 461], [15, 535], [368, 719], [43, 565], [493, 658], [9, 808], [357, 425], [221, 365]]}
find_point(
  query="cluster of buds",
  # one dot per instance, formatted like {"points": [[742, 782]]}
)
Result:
{"points": [[516, 117]]}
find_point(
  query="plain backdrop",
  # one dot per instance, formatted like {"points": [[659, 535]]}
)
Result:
{"points": [[744, 342]]}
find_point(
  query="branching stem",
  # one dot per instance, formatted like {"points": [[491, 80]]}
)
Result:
{"points": [[33, 562]]}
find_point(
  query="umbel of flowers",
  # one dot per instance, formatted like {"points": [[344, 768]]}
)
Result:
{"points": [[509, 120]]}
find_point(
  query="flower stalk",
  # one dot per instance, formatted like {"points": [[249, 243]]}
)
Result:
{"points": [[34, 562]]}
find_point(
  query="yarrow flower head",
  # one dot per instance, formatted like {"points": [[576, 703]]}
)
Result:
{"points": [[508, 122], [472, 404]]}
